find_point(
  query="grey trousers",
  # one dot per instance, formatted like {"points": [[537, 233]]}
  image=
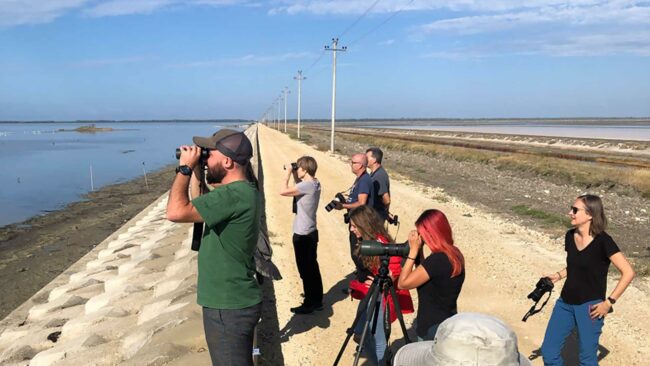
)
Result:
{"points": [[229, 334]]}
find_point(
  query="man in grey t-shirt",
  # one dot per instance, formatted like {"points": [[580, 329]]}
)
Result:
{"points": [[305, 235], [307, 203], [380, 181]]}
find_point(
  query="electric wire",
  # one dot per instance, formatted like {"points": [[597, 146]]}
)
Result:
{"points": [[358, 19], [352, 25], [393, 15]]}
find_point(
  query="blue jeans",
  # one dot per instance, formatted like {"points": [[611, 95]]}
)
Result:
{"points": [[374, 346], [431, 333], [564, 319], [229, 334]]}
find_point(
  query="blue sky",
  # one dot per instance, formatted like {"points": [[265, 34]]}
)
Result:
{"points": [[200, 59]]}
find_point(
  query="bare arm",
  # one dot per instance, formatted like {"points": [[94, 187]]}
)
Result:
{"points": [[179, 207], [627, 274], [290, 191], [362, 199], [554, 277], [385, 199], [195, 182], [409, 278]]}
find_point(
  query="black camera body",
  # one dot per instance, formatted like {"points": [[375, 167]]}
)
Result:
{"points": [[337, 198], [543, 286], [294, 166], [205, 154], [375, 248], [393, 219]]}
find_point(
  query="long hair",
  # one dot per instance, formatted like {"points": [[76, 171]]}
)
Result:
{"points": [[370, 225], [594, 207], [435, 230]]}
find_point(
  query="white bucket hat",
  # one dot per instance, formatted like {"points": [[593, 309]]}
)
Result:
{"points": [[465, 339]]}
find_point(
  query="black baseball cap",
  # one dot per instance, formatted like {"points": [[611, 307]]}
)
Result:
{"points": [[231, 143]]}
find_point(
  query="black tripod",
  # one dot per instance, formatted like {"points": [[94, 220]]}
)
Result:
{"points": [[381, 284]]}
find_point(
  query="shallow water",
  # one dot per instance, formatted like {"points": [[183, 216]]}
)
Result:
{"points": [[610, 132], [44, 169]]}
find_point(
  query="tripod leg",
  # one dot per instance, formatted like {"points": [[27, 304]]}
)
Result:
{"points": [[370, 310], [350, 331], [398, 309]]}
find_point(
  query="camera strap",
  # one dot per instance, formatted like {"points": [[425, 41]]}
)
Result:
{"points": [[532, 311]]}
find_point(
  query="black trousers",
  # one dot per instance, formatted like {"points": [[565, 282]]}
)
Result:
{"points": [[305, 248]]}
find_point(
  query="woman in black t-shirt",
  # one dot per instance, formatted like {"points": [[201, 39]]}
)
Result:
{"points": [[439, 277], [583, 302]]}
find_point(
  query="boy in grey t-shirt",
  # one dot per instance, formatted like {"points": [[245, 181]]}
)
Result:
{"points": [[305, 221], [305, 235]]}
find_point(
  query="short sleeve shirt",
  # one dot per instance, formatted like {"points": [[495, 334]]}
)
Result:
{"points": [[587, 268], [226, 277], [307, 205], [381, 185], [438, 296], [362, 184]]}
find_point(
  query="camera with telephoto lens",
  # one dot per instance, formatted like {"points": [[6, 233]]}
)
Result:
{"points": [[205, 154], [543, 286], [375, 248], [337, 198], [392, 219]]}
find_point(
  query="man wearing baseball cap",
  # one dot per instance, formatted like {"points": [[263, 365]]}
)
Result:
{"points": [[227, 289]]}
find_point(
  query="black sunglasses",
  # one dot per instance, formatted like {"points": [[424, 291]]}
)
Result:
{"points": [[575, 209]]}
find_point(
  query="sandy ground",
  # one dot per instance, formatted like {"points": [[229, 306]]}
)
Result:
{"points": [[504, 261], [132, 299]]}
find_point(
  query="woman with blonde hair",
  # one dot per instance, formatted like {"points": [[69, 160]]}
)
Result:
{"points": [[438, 277]]}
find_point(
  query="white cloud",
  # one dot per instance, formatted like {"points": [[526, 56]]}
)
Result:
{"points": [[388, 6], [125, 7], [559, 45], [610, 13], [246, 60], [110, 61], [577, 29], [128, 7], [16, 12]]}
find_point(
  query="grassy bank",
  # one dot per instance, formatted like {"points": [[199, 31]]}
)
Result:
{"points": [[579, 173]]}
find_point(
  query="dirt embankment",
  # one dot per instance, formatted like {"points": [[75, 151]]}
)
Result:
{"points": [[515, 192], [36, 251], [504, 258]]}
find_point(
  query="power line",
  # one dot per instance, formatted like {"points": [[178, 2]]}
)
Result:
{"points": [[359, 18], [382, 23], [372, 6]]}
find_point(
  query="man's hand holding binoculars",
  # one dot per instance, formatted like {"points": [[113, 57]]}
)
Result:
{"points": [[189, 156]]}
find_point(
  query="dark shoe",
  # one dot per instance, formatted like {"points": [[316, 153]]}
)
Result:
{"points": [[307, 309]]}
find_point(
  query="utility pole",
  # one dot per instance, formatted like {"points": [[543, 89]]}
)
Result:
{"points": [[334, 49], [300, 78], [278, 102], [285, 91]]}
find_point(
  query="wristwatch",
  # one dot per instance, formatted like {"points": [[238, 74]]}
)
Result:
{"points": [[184, 169], [611, 300]]}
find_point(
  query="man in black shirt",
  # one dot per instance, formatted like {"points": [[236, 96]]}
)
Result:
{"points": [[380, 181]]}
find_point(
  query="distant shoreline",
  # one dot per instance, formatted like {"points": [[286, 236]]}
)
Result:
{"points": [[399, 121]]}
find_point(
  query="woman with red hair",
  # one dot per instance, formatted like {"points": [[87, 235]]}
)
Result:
{"points": [[439, 277]]}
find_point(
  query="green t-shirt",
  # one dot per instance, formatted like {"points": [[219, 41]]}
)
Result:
{"points": [[226, 267]]}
